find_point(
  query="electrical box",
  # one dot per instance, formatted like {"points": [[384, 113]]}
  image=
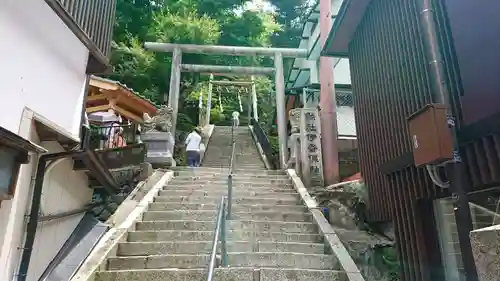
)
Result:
{"points": [[430, 135]]}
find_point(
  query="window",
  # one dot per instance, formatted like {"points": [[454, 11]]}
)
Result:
{"points": [[9, 169]]}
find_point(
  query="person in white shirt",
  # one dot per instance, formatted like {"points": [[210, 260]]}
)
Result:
{"points": [[236, 118], [193, 144]]}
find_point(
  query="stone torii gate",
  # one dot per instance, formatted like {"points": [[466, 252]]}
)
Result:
{"points": [[277, 53], [252, 97]]}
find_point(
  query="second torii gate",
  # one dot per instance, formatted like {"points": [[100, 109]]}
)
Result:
{"points": [[276, 53]]}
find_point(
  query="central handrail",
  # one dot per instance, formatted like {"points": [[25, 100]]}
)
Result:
{"points": [[220, 231], [230, 173]]}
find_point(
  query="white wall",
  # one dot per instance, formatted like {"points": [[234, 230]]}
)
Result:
{"points": [[63, 190], [42, 66]]}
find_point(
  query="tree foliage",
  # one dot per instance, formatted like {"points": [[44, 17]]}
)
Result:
{"points": [[222, 22]]}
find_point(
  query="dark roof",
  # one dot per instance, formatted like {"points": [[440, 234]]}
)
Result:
{"points": [[350, 15]]}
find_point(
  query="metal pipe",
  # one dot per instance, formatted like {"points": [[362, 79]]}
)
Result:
{"points": [[281, 109], [441, 94], [247, 70], [213, 255], [35, 208], [229, 196], [225, 50], [223, 235], [68, 213]]}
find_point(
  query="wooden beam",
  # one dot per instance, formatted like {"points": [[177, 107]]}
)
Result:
{"points": [[129, 115], [103, 107], [97, 97], [103, 85]]}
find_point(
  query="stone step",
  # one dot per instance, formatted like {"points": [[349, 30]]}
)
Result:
{"points": [[162, 248], [181, 170], [279, 200], [236, 208], [236, 235], [184, 261], [220, 184], [212, 214], [236, 188], [244, 225], [237, 192], [281, 260], [236, 181], [222, 274], [220, 176]]}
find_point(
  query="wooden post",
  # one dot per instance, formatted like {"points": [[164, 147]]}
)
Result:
{"points": [[280, 108], [254, 99], [209, 98], [328, 105], [175, 84]]}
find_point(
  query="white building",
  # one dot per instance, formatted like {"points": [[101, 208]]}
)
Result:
{"points": [[305, 72], [45, 59]]}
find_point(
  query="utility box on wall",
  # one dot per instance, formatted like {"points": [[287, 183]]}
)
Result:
{"points": [[430, 136]]}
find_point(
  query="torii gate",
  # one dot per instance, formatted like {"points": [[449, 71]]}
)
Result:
{"points": [[277, 53]]}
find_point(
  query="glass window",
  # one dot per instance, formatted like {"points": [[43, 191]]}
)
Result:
{"points": [[7, 167]]}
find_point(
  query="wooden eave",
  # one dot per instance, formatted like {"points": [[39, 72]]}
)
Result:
{"points": [[104, 95]]}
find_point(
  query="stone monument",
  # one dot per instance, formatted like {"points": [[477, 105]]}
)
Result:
{"points": [[157, 136], [293, 140]]}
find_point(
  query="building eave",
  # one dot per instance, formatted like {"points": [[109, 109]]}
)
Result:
{"points": [[350, 15]]}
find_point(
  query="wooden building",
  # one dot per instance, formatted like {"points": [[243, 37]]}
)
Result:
{"points": [[385, 44], [105, 94]]}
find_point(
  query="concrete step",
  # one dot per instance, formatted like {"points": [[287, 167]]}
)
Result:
{"points": [[224, 187], [236, 181], [278, 200], [281, 260], [159, 261], [245, 225], [236, 235], [236, 208], [182, 170], [162, 248], [222, 274], [212, 214], [221, 176], [236, 192]]}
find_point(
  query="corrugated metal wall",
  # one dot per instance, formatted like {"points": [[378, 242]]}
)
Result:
{"points": [[96, 18], [390, 82]]}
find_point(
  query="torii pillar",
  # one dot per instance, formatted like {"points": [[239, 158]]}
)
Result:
{"points": [[328, 104]]}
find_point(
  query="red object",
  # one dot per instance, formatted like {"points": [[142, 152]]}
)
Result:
{"points": [[356, 176]]}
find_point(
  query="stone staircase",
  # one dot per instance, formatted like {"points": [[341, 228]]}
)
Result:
{"points": [[270, 237], [219, 149]]}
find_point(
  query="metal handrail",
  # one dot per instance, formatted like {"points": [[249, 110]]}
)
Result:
{"points": [[220, 231], [230, 174]]}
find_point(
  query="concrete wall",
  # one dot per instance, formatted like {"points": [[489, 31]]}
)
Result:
{"points": [[43, 66], [42, 74]]}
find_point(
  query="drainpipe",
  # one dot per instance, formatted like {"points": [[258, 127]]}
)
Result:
{"points": [[455, 168], [35, 207]]}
